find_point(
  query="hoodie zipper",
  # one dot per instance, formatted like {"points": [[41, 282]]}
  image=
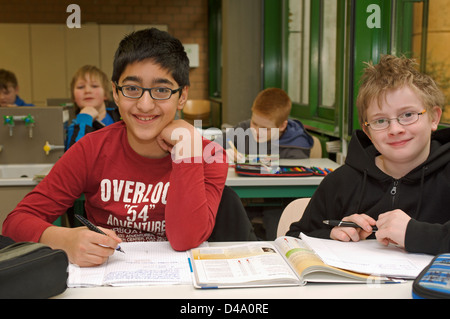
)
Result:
{"points": [[394, 191]]}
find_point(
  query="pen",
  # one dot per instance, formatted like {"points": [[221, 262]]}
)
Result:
{"points": [[341, 223], [92, 227]]}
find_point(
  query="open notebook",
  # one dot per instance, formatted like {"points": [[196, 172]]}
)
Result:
{"points": [[143, 263]]}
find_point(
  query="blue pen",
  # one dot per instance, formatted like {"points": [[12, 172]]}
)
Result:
{"points": [[92, 227]]}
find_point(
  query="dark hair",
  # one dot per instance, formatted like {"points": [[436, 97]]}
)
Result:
{"points": [[7, 78], [157, 45]]}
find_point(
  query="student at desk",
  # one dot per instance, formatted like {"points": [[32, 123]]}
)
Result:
{"points": [[9, 90], [270, 125], [397, 172], [146, 178], [90, 89], [270, 118]]}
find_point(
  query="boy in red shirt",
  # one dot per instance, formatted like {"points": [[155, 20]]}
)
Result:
{"points": [[146, 178]]}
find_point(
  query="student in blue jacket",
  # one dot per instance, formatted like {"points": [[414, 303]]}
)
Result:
{"points": [[9, 89], [91, 95], [397, 172]]}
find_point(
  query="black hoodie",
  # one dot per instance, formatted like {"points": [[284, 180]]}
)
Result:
{"points": [[360, 186]]}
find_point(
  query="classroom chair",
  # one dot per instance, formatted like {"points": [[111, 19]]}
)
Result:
{"points": [[198, 110], [232, 222], [292, 213], [316, 150]]}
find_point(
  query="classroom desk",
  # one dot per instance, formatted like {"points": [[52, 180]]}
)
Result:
{"points": [[279, 187], [309, 291]]}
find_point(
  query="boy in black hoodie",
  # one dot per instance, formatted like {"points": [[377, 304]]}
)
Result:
{"points": [[397, 172]]}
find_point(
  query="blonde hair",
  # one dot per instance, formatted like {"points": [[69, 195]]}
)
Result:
{"points": [[393, 73], [92, 71], [274, 103]]}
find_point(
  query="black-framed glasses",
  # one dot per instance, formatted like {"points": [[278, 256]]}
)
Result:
{"points": [[157, 93], [404, 119]]}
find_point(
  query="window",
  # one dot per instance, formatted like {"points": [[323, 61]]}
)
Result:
{"points": [[311, 72]]}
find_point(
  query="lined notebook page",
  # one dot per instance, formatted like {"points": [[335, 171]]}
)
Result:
{"points": [[144, 263]]}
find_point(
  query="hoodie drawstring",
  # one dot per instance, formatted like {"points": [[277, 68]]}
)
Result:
{"points": [[422, 180]]}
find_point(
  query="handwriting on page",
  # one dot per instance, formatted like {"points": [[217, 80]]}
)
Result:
{"points": [[145, 271], [145, 263]]}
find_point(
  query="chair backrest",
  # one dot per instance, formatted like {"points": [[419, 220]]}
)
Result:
{"points": [[316, 150], [197, 110], [232, 222], [292, 213]]}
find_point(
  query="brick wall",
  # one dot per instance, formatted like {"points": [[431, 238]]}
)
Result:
{"points": [[187, 20]]}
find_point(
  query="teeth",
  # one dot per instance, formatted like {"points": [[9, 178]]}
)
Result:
{"points": [[146, 118]]}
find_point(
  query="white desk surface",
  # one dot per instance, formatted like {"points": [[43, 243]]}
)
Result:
{"points": [[234, 180], [309, 291]]}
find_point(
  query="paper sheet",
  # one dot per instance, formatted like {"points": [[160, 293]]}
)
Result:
{"points": [[369, 257], [144, 263]]}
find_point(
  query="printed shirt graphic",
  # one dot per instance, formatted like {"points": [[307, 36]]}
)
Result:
{"points": [[133, 195]]}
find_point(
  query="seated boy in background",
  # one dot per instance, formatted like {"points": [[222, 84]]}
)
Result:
{"points": [[9, 89], [397, 172], [270, 118], [90, 89], [270, 124]]}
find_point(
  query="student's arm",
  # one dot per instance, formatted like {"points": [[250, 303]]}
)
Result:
{"points": [[311, 222], [332, 199], [429, 238], [196, 185], [32, 219], [81, 125]]}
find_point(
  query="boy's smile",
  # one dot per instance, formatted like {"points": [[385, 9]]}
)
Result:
{"points": [[145, 117]]}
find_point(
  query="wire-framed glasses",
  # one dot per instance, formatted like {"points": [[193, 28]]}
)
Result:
{"points": [[157, 93], [404, 119]]}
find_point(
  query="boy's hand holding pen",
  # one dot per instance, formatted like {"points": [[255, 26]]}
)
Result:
{"points": [[234, 154], [94, 228]]}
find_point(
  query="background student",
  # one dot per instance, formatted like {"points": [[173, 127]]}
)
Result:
{"points": [[270, 114], [270, 119], [90, 90], [397, 172], [141, 181], [9, 90]]}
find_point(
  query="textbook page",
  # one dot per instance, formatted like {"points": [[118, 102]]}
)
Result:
{"points": [[143, 263], [369, 257], [250, 264]]}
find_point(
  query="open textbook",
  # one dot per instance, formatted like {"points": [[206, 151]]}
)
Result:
{"points": [[144, 263], [291, 261]]}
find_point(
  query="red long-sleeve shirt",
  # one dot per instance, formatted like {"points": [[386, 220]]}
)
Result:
{"points": [[141, 199]]}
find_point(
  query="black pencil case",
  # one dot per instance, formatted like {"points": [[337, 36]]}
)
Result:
{"points": [[31, 270], [434, 280], [277, 171]]}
